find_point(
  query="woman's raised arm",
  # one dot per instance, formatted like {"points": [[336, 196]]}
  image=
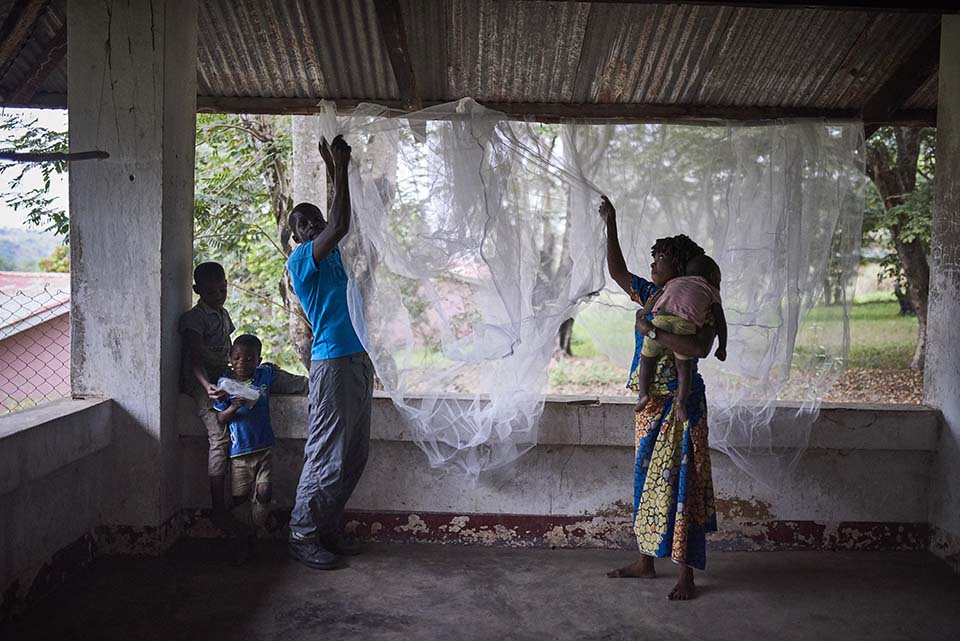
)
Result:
{"points": [[616, 265]]}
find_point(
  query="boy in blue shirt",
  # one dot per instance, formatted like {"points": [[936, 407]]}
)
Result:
{"points": [[246, 413]]}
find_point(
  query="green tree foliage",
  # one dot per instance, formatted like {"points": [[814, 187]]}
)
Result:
{"points": [[913, 215], [21, 133], [57, 261], [901, 163], [236, 216], [235, 211]]}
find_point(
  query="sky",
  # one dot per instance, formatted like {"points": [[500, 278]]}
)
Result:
{"points": [[51, 119]]}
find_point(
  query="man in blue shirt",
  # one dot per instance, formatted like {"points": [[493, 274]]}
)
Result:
{"points": [[341, 376]]}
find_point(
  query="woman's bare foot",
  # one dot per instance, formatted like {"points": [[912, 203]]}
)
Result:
{"points": [[684, 590], [641, 403], [642, 569]]}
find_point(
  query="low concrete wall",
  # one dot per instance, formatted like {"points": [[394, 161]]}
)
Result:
{"points": [[52, 481], [862, 484]]}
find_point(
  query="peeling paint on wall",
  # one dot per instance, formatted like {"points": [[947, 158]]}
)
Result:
{"points": [[611, 530], [946, 546], [748, 509], [133, 540]]}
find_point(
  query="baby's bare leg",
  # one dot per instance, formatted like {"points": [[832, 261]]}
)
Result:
{"points": [[645, 376]]}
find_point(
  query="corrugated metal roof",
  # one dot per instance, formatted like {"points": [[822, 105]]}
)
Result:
{"points": [[540, 52], [926, 96], [292, 49], [888, 40], [496, 51], [34, 50]]}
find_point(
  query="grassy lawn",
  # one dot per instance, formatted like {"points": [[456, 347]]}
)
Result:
{"points": [[589, 371], [879, 339]]}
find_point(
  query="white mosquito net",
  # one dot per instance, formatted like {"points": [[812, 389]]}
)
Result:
{"points": [[475, 237]]}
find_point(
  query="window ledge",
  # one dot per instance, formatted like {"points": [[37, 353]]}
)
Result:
{"points": [[609, 422], [40, 440]]}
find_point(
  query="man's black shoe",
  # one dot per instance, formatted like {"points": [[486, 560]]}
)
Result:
{"points": [[341, 545], [312, 555]]}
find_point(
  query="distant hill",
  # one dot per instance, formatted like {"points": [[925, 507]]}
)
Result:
{"points": [[20, 250]]}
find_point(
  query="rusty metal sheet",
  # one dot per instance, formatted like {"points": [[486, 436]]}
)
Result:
{"points": [[296, 48], [499, 51]]}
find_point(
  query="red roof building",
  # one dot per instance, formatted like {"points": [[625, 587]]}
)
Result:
{"points": [[34, 338]]}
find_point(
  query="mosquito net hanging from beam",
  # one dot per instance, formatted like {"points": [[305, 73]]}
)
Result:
{"points": [[475, 237]]}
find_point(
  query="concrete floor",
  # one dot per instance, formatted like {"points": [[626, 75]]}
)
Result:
{"points": [[461, 593]]}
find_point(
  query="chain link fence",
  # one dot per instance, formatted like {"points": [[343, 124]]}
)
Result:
{"points": [[34, 339]]}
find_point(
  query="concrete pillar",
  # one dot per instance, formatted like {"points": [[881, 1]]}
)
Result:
{"points": [[942, 372], [132, 90]]}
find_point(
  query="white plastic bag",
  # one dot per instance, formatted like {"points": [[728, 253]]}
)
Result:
{"points": [[236, 389]]}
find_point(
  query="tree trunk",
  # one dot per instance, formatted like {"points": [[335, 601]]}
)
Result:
{"points": [[278, 181], [565, 334], [903, 298], [894, 179], [913, 257]]}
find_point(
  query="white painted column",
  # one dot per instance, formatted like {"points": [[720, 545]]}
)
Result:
{"points": [[942, 371], [132, 92]]}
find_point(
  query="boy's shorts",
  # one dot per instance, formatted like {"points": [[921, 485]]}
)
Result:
{"points": [[218, 436], [248, 471], [672, 324]]}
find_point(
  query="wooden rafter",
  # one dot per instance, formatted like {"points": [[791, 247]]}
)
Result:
{"points": [[390, 17], [885, 6], [56, 50], [16, 28], [546, 112], [903, 82], [562, 112]]}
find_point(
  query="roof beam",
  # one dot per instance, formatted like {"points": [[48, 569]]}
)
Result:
{"points": [[543, 112], [56, 50], [885, 6], [562, 112], [390, 17], [903, 82], [16, 28]]}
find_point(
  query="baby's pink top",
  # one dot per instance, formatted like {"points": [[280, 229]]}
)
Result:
{"points": [[688, 297]]}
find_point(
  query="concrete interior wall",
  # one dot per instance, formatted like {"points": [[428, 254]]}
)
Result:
{"points": [[865, 466], [863, 485], [54, 462], [942, 370], [132, 93]]}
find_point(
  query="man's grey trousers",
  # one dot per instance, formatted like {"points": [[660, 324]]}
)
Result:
{"points": [[338, 443]]}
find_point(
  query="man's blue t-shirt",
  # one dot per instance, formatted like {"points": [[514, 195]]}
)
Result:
{"points": [[322, 290], [250, 429]]}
